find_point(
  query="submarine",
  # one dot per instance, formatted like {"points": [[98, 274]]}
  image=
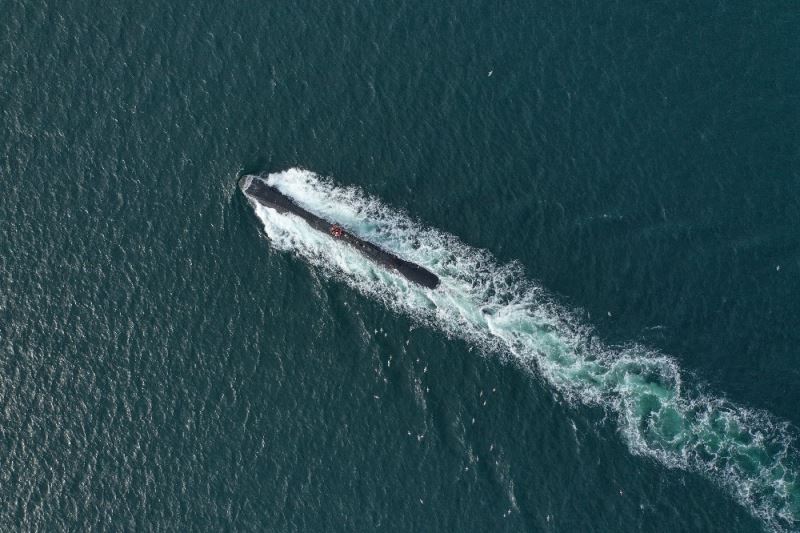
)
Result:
{"points": [[258, 190]]}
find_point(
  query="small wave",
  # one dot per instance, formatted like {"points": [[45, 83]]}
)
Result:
{"points": [[748, 452]]}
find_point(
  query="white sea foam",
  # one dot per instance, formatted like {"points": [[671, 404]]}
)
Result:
{"points": [[748, 452]]}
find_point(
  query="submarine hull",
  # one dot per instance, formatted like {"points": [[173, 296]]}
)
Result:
{"points": [[268, 196]]}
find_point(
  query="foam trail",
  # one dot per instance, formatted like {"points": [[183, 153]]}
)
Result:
{"points": [[748, 452]]}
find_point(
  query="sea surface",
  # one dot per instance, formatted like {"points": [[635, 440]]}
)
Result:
{"points": [[609, 191]]}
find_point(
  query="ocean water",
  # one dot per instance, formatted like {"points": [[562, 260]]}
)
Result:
{"points": [[609, 193]]}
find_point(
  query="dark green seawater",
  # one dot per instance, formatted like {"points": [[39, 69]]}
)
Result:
{"points": [[165, 366]]}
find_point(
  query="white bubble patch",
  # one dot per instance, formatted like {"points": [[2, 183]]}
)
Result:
{"points": [[748, 452]]}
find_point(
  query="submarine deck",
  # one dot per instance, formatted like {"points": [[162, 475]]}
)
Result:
{"points": [[271, 197]]}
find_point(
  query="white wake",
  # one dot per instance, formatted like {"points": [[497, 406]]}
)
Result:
{"points": [[494, 306]]}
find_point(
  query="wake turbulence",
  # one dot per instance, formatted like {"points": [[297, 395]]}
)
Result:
{"points": [[494, 307]]}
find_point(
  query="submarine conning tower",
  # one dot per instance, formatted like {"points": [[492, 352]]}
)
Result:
{"points": [[258, 190]]}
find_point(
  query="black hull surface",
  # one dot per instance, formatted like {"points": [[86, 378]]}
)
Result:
{"points": [[268, 196]]}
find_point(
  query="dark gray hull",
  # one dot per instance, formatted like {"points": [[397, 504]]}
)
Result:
{"points": [[271, 197]]}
